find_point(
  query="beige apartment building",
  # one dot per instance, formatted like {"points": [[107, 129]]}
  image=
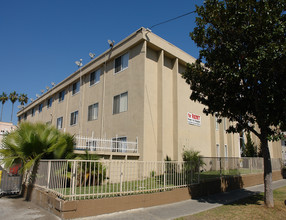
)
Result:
{"points": [[5, 127], [134, 92]]}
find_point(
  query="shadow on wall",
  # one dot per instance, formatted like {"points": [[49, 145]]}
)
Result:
{"points": [[216, 185]]}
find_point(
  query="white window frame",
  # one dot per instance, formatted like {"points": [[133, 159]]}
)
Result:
{"points": [[121, 109], [216, 123], [119, 147], [62, 97], [124, 57], [96, 76], [33, 112], [74, 118], [90, 115], [60, 119], [225, 151], [217, 150], [74, 92]]}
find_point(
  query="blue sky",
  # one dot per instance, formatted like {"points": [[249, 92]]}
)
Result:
{"points": [[41, 40]]}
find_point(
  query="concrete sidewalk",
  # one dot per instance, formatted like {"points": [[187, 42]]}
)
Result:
{"points": [[188, 207]]}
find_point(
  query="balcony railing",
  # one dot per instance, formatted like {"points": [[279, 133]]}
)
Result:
{"points": [[106, 145]]}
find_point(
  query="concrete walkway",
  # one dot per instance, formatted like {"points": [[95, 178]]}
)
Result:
{"points": [[16, 208], [188, 207]]}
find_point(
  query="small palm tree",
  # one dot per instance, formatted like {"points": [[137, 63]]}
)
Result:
{"points": [[13, 96], [195, 160], [23, 99], [31, 142], [3, 99], [95, 175]]}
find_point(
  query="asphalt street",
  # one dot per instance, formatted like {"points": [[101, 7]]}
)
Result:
{"points": [[14, 208]]}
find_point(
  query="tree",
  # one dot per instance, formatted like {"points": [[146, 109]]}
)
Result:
{"points": [[195, 159], [3, 99], [13, 96], [243, 46], [23, 99], [31, 142], [250, 149]]}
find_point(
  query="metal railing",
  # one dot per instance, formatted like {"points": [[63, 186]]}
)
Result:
{"points": [[91, 179], [87, 179], [106, 145], [231, 166]]}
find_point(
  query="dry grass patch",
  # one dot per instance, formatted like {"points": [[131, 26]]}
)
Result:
{"points": [[249, 208]]}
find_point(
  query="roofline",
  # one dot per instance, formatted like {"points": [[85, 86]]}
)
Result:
{"points": [[101, 56], [144, 37]]}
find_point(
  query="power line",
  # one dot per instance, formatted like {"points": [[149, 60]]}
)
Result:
{"points": [[172, 19]]}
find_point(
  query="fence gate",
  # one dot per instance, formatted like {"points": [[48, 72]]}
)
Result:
{"points": [[11, 180]]}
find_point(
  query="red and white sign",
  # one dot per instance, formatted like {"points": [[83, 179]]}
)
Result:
{"points": [[194, 119]]}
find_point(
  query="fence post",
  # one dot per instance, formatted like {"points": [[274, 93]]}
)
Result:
{"points": [[164, 174], [136, 148], [191, 172], [73, 178], [49, 174], [121, 177], [199, 172], [220, 166]]}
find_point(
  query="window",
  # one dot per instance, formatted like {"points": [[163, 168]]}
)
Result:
{"points": [[50, 101], [91, 145], [216, 123], [225, 150], [33, 112], [75, 88], [119, 144], [224, 124], [92, 112], [121, 63], [94, 77], [60, 123], [40, 107], [61, 96], [74, 118], [120, 103], [217, 150], [25, 116]]}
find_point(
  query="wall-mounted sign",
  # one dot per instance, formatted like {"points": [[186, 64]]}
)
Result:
{"points": [[194, 119]]}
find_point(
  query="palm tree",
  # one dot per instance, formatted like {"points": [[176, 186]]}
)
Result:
{"points": [[23, 99], [31, 142], [13, 96], [3, 99]]}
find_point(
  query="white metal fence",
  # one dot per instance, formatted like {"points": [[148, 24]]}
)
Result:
{"points": [[106, 145], [88, 179], [85, 179]]}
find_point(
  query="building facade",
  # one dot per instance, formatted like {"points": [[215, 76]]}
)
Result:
{"points": [[134, 92], [5, 127]]}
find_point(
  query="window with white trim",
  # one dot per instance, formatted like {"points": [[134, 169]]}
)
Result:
{"points": [[74, 118], [216, 123], [120, 103], [33, 112], [75, 88], [225, 151], [94, 77], [92, 112], [217, 150], [119, 144], [121, 63], [60, 123]]}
